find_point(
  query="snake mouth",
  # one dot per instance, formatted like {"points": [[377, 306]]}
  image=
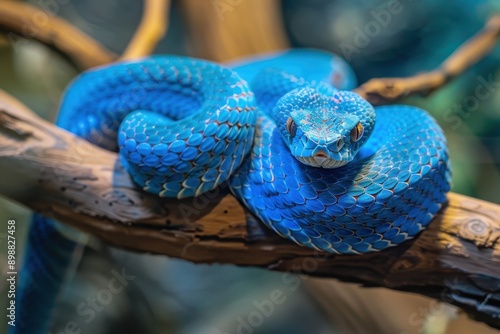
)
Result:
{"points": [[323, 162]]}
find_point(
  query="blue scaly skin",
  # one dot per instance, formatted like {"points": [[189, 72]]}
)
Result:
{"points": [[319, 166], [183, 125], [307, 64], [329, 171]]}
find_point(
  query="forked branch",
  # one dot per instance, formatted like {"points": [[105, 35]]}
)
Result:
{"points": [[384, 90]]}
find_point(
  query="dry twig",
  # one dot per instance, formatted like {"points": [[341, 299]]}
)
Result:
{"points": [[21, 20], [383, 90], [153, 27]]}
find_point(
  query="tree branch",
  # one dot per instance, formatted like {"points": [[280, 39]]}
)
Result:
{"points": [[456, 259], [23, 21], [383, 90], [153, 27]]}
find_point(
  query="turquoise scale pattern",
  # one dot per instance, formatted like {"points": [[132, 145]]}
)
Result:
{"points": [[183, 125], [322, 103], [388, 194], [308, 64]]}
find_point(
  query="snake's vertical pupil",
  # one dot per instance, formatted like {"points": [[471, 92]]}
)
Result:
{"points": [[291, 127], [357, 132]]}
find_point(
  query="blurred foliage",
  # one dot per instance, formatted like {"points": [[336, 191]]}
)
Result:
{"points": [[193, 298]]}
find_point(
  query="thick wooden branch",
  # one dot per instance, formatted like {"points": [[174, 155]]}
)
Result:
{"points": [[383, 90], [457, 259], [23, 21]]}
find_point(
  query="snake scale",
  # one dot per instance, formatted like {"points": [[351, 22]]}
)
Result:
{"points": [[326, 170], [316, 164]]}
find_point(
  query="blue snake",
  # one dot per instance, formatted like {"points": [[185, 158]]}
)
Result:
{"points": [[318, 165]]}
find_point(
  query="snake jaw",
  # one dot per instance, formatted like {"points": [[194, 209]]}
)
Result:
{"points": [[323, 162], [321, 157]]}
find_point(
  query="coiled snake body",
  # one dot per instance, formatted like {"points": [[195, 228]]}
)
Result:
{"points": [[326, 170], [319, 166]]}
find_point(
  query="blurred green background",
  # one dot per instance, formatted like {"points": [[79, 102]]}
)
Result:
{"points": [[184, 298]]}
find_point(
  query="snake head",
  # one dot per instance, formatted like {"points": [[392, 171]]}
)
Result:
{"points": [[324, 129]]}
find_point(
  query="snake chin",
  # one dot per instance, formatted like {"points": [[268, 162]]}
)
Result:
{"points": [[322, 162]]}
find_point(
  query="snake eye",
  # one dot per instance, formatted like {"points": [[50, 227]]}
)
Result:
{"points": [[357, 132], [340, 144], [291, 127]]}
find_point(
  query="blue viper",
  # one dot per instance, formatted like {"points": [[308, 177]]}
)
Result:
{"points": [[318, 165]]}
